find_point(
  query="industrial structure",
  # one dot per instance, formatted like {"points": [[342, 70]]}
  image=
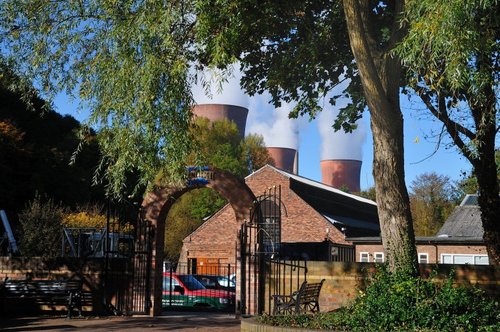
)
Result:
{"points": [[338, 173], [285, 158], [217, 112], [341, 174]]}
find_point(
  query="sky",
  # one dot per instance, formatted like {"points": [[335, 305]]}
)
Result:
{"points": [[316, 139]]}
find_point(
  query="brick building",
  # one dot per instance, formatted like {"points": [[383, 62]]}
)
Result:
{"points": [[459, 241], [315, 220]]}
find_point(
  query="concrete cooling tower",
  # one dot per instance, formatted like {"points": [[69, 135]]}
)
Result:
{"points": [[341, 173], [215, 112], [285, 158]]}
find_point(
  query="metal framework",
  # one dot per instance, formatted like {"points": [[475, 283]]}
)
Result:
{"points": [[126, 277], [260, 240]]}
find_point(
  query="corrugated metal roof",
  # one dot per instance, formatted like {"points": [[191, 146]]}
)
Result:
{"points": [[420, 240], [323, 186]]}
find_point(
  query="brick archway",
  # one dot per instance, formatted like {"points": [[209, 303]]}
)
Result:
{"points": [[157, 203]]}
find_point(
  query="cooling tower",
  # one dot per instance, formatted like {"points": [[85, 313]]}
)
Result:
{"points": [[341, 173], [215, 112], [284, 158]]}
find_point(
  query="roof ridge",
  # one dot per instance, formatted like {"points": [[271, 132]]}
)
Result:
{"points": [[321, 185]]}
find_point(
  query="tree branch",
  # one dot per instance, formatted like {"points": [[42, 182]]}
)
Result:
{"points": [[442, 114], [453, 128]]}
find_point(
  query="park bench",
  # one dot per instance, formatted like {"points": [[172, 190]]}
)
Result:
{"points": [[45, 292], [306, 299]]}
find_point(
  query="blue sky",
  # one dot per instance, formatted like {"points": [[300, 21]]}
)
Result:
{"points": [[420, 155], [419, 151]]}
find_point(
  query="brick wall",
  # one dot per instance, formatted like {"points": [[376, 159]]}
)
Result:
{"points": [[434, 251], [343, 280], [21, 268]]}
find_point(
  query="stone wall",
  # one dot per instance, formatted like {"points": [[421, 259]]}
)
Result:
{"points": [[343, 280]]}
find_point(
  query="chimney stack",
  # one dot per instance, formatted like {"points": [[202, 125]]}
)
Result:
{"points": [[216, 112], [285, 158], [341, 173]]}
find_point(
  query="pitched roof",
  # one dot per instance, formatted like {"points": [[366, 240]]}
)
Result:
{"points": [[465, 220], [462, 226], [323, 186], [351, 214]]}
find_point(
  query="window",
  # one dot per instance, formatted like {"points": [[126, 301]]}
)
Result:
{"points": [[464, 259], [363, 257], [447, 259], [423, 258], [167, 281], [378, 257], [481, 260], [270, 225]]}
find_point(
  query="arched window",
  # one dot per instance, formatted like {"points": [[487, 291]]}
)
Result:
{"points": [[270, 225]]}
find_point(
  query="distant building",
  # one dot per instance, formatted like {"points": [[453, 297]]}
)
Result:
{"points": [[459, 241], [315, 220]]}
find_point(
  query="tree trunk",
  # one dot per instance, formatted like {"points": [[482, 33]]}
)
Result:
{"points": [[485, 169], [489, 204], [380, 77], [484, 112]]}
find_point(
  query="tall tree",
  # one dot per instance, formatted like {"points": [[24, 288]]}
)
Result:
{"points": [[127, 61], [130, 61], [452, 53], [300, 51], [380, 74], [36, 146], [219, 144], [254, 153], [432, 199]]}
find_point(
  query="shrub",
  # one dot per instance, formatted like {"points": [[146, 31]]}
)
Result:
{"points": [[41, 226], [393, 302], [90, 217]]}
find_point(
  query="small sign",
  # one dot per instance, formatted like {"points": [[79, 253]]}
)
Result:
{"points": [[199, 175]]}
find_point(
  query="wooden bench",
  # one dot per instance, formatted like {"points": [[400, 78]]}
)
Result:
{"points": [[45, 292], [306, 299]]}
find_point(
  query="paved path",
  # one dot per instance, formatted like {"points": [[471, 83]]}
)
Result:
{"points": [[185, 322]]}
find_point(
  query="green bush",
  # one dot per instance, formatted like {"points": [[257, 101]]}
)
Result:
{"points": [[401, 303], [41, 228]]}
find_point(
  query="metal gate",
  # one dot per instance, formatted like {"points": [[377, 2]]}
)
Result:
{"points": [[127, 260], [260, 239]]}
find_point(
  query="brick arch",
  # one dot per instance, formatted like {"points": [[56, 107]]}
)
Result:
{"points": [[157, 203]]}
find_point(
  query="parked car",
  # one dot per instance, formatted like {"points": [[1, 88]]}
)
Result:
{"points": [[232, 277], [212, 281], [184, 290]]}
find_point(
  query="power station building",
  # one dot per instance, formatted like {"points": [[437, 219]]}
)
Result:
{"points": [[315, 220], [315, 217]]}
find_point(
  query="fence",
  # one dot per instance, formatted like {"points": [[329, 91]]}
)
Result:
{"points": [[199, 286], [283, 278]]}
